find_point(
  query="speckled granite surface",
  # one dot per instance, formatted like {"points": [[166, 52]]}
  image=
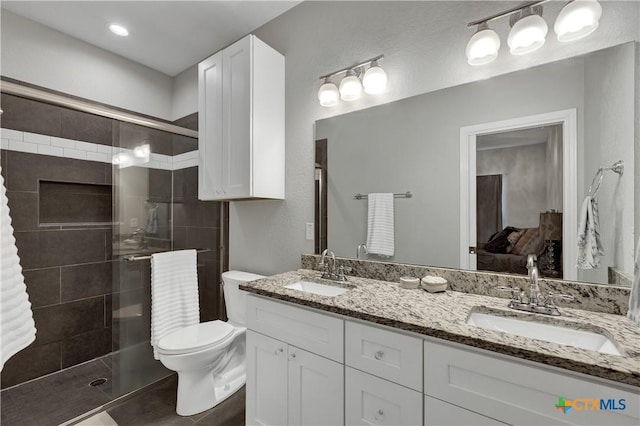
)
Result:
{"points": [[444, 315], [590, 297]]}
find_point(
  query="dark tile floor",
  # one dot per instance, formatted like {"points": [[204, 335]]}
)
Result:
{"points": [[56, 398], [157, 406]]}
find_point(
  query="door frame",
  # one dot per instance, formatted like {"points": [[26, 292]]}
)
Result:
{"points": [[468, 137]]}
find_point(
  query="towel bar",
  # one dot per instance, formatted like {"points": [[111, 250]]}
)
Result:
{"points": [[407, 194], [133, 257]]}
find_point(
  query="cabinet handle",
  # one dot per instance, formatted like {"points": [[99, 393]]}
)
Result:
{"points": [[279, 351], [378, 355]]}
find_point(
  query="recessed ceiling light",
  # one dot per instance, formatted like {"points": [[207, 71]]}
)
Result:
{"points": [[118, 30]]}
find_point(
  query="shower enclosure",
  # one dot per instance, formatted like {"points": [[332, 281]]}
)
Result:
{"points": [[93, 192]]}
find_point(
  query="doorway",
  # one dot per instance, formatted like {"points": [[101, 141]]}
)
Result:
{"points": [[506, 135]]}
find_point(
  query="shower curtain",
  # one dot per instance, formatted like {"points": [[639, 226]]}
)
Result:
{"points": [[488, 206], [554, 179]]}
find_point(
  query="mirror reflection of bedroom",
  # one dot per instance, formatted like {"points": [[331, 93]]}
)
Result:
{"points": [[519, 200]]}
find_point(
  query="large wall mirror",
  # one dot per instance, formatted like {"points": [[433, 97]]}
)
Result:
{"points": [[496, 169]]}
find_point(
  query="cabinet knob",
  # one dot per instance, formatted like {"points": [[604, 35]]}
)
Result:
{"points": [[379, 414], [378, 355], [279, 351], [293, 356]]}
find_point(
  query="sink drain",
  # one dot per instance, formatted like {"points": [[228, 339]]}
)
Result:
{"points": [[98, 382]]}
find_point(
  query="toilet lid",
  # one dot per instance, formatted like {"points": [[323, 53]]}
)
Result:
{"points": [[196, 336]]}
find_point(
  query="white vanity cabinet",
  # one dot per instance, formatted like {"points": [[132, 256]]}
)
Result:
{"points": [[383, 377], [514, 392], [241, 123], [295, 373]]}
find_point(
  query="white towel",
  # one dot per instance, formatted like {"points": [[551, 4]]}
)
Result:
{"points": [[17, 329], [380, 231], [589, 244], [174, 293], [634, 299]]}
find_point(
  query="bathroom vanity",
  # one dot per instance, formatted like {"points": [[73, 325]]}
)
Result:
{"points": [[380, 354]]}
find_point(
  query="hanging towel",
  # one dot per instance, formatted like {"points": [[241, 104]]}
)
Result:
{"points": [[380, 232], [634, 299], [589, 244], [151, 227], [174, 293], [17, 329]]}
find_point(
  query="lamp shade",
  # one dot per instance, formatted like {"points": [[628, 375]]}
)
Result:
{"points": [[374, 80], [527, 35], [350, 87], [577, 19], [483, 46], [328, 95]]}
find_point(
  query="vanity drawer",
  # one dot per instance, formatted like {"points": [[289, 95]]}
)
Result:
{"points": [[519, 392], [437, 413], [387, 354], [304, 328], [370, 400]]}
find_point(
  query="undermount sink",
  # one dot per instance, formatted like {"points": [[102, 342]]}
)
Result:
{"points": [[317, 288], [550, 333]]}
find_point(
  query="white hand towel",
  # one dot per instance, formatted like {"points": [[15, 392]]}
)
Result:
{"points": [[589, 244], [634, 299], [174, 293], [380, 231], [17, 329]]}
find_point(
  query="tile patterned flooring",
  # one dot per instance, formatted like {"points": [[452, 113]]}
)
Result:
{"points": [[66, 395]]}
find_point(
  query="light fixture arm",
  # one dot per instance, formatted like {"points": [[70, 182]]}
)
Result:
{"points": [[352, 67], [507, 12]]}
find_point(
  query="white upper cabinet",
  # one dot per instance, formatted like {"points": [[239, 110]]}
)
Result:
{"points": [[241, 123]]}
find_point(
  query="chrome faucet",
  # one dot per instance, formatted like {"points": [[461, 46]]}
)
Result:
{"points": [[534, 290], [330, 267], [532, 302], [361, 247]]}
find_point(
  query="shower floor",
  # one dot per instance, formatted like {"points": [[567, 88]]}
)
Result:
{"points": [[58, 397]]}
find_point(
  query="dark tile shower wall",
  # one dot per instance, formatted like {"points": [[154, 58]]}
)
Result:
{"points": [[73, 284]]}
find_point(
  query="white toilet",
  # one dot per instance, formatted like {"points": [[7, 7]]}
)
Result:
{"points": [[210, 357]]}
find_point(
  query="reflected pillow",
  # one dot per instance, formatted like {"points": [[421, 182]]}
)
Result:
{"points": [[499, 242], [530, 242]]}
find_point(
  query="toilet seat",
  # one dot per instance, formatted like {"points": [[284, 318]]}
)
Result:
{"points": [[195, 337]]}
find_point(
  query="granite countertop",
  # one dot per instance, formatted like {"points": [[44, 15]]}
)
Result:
{"points": [[444, 316]]}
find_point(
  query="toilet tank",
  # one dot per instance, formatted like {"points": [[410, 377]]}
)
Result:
{"points": [[235, 300]]}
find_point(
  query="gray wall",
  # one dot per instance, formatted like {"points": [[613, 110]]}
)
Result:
{"points": [[523, 182], [39, 55], [609, 132], [414, 144]]}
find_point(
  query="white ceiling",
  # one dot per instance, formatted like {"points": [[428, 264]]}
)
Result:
{"points": [[168, 36], [514, 138]]}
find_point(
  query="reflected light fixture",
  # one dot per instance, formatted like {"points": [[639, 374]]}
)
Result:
{"points": [[577, 19], [528, 31], [374, 80], [483, 46]]}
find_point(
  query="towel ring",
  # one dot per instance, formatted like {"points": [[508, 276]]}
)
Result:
{"points": [[617, 167]]}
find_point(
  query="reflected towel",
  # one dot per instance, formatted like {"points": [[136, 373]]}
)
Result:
{"points": [[634, 300], [380, 231], [151, 227], [174, 293], [17, 329], [589, 244]]}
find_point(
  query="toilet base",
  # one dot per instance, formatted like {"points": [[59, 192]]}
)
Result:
{"points": [[198, 393]]}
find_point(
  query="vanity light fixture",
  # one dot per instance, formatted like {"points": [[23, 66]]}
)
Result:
{"points": [[374, 80], [528, 31], [576, 20]]}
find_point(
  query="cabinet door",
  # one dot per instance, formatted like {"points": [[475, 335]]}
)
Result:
{"points": [[440, 413], [316, 390], [266, 380], [370, 400], [210, 128], [236, 119]]}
